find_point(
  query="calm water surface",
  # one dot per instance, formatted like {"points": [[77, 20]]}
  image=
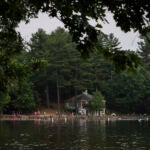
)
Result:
{"points": [[74, 135]]}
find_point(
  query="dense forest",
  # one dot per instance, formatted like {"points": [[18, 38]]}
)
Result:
{"points": [[62, 69], [32, 74]]}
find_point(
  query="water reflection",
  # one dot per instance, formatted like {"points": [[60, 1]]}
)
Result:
{"points": [[74, 135]]}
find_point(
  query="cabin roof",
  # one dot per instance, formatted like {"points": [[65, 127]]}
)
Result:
{"points": [[83, 96]]}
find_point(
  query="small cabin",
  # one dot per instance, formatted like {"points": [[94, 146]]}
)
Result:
{"points": [[78, 103]]}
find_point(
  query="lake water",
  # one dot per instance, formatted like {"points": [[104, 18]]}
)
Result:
{"points": [[74, 135]]}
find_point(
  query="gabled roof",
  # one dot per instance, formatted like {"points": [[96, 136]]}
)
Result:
{"points": [[84, 96]]}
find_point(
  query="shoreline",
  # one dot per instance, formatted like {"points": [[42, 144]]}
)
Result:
{"points": [[65, 118]]}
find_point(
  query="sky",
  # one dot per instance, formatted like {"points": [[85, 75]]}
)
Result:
{"points": [[128, 40]]}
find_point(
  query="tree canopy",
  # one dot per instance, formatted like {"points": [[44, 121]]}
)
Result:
{"points": [[76, 16], [144, 47], [97, 103]]}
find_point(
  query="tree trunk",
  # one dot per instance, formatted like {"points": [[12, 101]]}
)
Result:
{"points": [[47, 96]]}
